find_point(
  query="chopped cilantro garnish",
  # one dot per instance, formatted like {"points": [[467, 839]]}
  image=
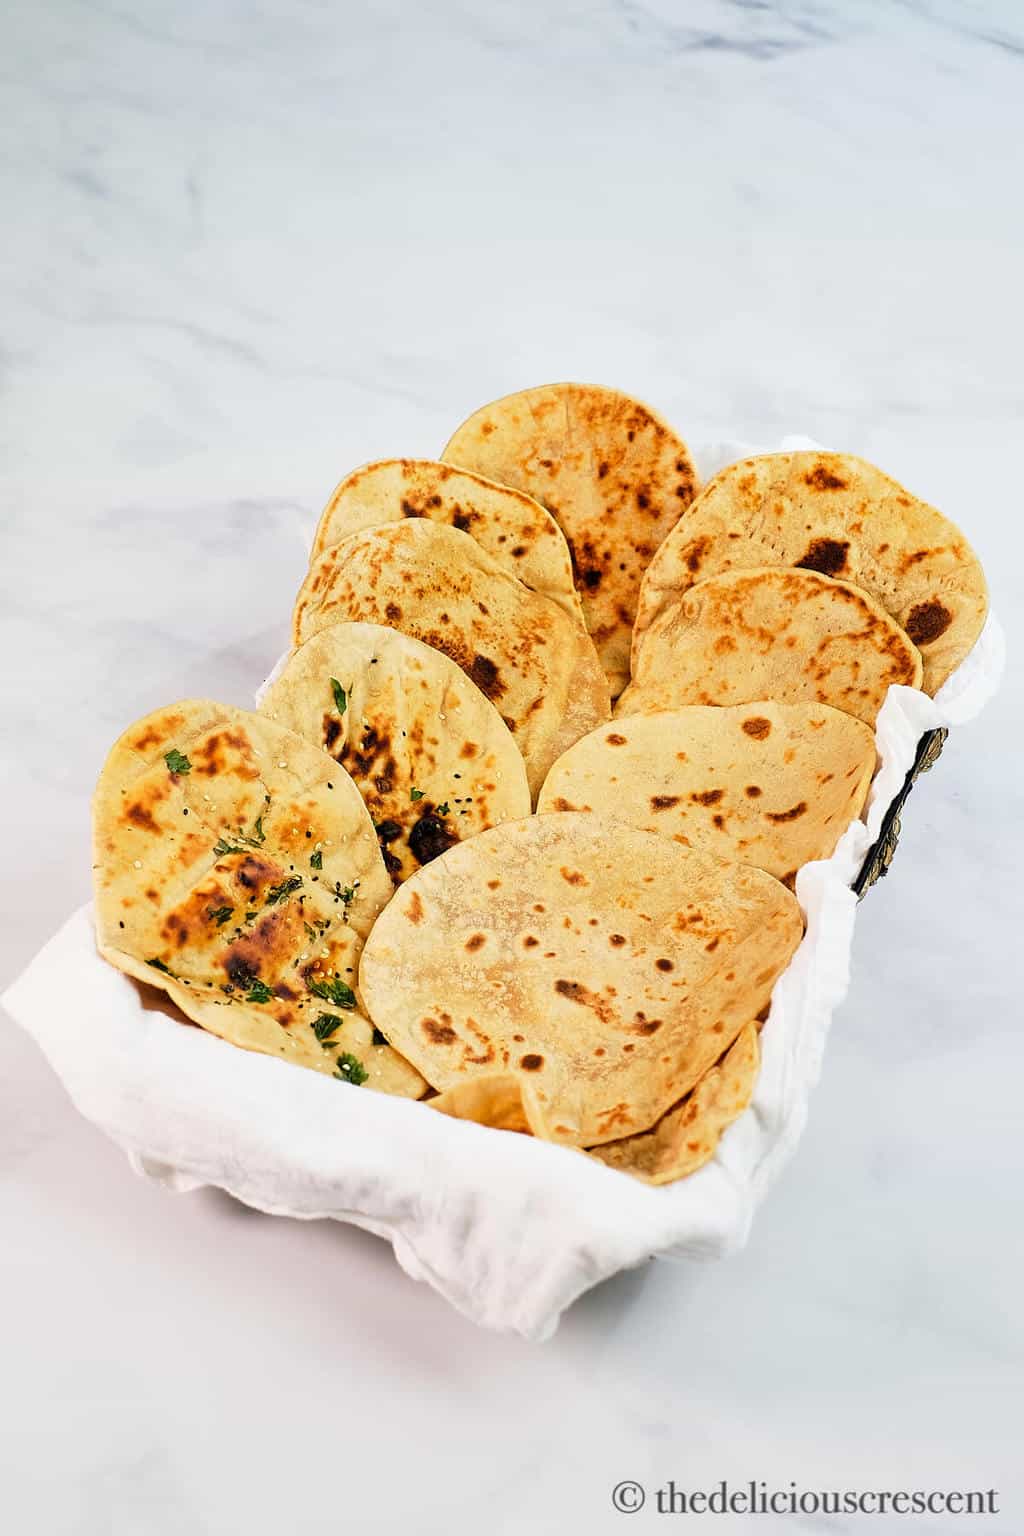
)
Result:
{"points": [[348, 894], [279, 892], [415, 794], [259, 992], [158, 965], [220, 915], [316, 860], [340, 696], [177, 762], [325, 1026], [222, 847], [333, 991], [443, 810], [350, 1069]]}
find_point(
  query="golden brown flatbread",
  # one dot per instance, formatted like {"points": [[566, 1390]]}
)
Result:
{"points": [[769, 784], [612, 472], [772, 633], [842, 517], [431, 757], [520, 533], [537, 666], [498, 1101], [236, 868], [685, 1138], [606, 966]]}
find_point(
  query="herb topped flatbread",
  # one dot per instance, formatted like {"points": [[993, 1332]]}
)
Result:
{"points": [[431, 757], [237, 868]]}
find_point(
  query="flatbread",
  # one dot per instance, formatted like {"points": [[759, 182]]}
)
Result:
{"points": [[431, 757], [769, 784], [772, 633], [613, 473], [536, 665], [498, 1101], [607, 966], [839, 515], [236, 868], [686, 1138], [511, 526]]}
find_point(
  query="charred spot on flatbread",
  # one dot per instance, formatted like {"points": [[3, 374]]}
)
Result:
{"points": [[429, 838], [829, 556], [927, 621]]}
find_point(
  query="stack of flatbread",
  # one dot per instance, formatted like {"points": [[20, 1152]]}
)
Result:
{"points": [[516, 828]]}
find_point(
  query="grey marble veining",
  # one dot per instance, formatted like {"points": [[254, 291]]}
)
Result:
{"points": [[247, 247]]}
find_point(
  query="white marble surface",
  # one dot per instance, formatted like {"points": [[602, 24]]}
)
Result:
{"points": [[249, 246]]}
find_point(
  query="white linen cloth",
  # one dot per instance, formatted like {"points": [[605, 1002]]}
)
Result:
{"points": [[508, 1229]]}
